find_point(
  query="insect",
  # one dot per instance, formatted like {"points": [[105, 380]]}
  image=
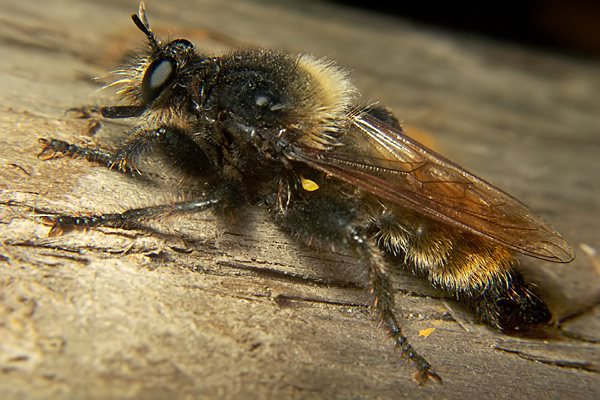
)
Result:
{"points": [[266, 127]]}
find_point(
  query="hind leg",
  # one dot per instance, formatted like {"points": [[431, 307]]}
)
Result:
{"points": [[331, 221]]}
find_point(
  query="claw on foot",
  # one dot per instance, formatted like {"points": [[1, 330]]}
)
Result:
{"points": [[52, 148], [84, 112], [423, 376], [56, 228]]}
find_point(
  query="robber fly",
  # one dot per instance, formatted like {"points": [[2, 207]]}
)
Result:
{"points": [[266, 127]]}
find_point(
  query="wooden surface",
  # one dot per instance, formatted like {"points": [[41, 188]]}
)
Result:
{"points": [[216, 310]]}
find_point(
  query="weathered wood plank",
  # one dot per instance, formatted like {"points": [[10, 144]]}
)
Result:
{"points": [[223, 311]]}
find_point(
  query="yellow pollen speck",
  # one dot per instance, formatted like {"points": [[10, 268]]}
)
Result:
{"points": [[426, 332], [308, 185]]}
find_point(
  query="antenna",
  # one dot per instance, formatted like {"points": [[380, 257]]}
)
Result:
{"points": [[141, 21]]}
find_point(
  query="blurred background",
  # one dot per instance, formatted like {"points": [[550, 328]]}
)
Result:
{"points": [[571, 27]]}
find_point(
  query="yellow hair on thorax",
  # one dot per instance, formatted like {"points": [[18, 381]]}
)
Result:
{"points": [[332, 95]]}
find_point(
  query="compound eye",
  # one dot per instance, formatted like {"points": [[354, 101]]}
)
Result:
{"points": [[158, 75], [180, 45]]}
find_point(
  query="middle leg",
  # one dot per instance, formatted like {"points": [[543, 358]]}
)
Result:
{"points": [[130, 219]]}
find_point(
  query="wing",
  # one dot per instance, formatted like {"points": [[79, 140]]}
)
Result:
{"points": [[384, 161]]}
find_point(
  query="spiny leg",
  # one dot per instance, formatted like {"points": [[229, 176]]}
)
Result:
{"points": [[123, 159], [122, 111], [112, 112], [129, 219], [330, 219], [383, 304]]}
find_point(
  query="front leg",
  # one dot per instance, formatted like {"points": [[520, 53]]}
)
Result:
{"points": [[112, 112], [124, 159]]}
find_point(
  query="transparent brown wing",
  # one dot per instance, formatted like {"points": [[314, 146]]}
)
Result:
{"points": [[384, 161]]}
